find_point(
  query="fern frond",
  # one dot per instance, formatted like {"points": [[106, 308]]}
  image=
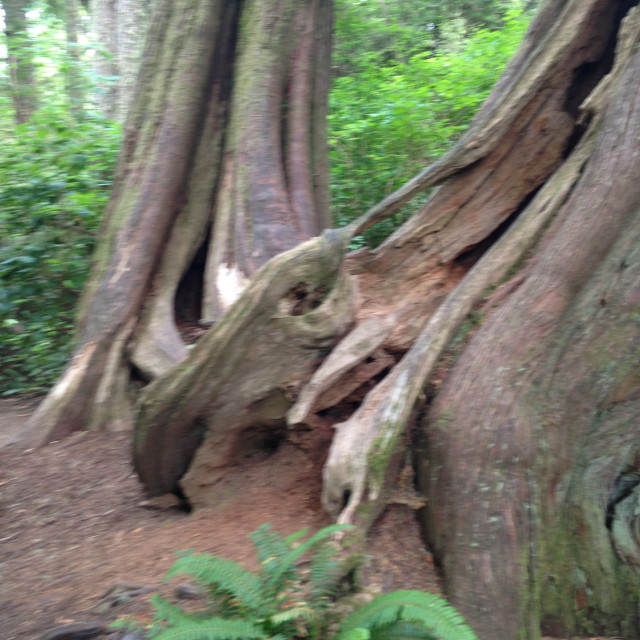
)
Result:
{"points": [[170, 613], [324, 576], [214, 629], [271, 547], [294, 537], [269, 544], [356, 634], [224, 577], [288, 561], [434, 613], [301, 612], [403, 631]]}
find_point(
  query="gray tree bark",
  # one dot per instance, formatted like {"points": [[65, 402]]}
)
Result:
{"points": [[75, 84]]}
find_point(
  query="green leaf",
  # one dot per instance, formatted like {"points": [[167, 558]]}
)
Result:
{"points": [[225, 577], [214, 629], [437, 617], [285, 563]]}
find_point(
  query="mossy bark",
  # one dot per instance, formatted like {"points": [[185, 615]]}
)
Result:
{"points": [[119, 27], [74, 82], [208, 135]]}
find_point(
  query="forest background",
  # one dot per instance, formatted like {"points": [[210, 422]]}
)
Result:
{"points": [[408, 76]]}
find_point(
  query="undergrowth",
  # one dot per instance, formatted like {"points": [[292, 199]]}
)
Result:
{"points": [[55, 176]]}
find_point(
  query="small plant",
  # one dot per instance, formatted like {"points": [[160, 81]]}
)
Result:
{"points": [[283, 602], [280, 601]]}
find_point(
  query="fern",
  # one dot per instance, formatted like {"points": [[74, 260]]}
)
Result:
{"points": [[168, 613], [299, 611], [282, 603], [270, 546], [436, 617], [356, 634], [214, 629], [403, 631], [324, 576], [237, 590], [281, 569], [278, 602]]}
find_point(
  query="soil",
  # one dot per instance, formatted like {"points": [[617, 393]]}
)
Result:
{"points": [[80, 543]]}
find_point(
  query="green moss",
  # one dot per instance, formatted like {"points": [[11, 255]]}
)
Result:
{"points": [[272, 407], [382, 450]]}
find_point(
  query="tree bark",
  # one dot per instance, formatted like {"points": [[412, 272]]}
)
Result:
{"points": [[105, 64], [119, 27], [268, 200], [21, 71], [532, 431], [174, 183], [73, 76], [527, 454]]}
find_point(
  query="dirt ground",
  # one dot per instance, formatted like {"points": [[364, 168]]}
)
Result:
{"points": [[78, 541]]}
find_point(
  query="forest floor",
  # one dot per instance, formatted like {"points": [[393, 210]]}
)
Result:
{"points": [[79, 542], [78, 539]]}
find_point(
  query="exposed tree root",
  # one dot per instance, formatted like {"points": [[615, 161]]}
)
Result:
{"points": [[243, 371]]}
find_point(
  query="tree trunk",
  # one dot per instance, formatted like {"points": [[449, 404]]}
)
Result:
{"points": [[532, 431], [174, 183], [527, 455], [105, 64], [73, 75], [119, 27], [23, 88]]}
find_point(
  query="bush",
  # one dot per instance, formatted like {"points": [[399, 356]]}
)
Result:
{"points": [[55, 175], [387, 122]]}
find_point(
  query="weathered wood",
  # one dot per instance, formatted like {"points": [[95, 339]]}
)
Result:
{"points": [[241, 372], [159, 140], [360, 343], [359, 471], [269, 200]]}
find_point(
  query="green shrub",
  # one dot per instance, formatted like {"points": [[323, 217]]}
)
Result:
{"points": [[279, 601], [55, 174], [387, 122]]}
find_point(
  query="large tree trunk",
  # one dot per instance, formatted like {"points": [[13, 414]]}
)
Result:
{"points": [[23, 88], [534, 431], [528, 455]]}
